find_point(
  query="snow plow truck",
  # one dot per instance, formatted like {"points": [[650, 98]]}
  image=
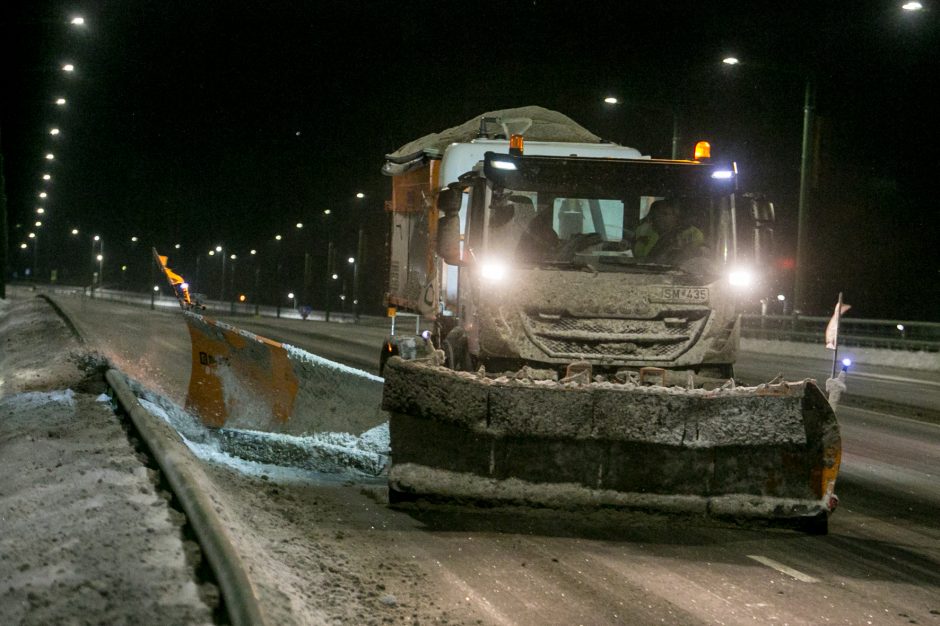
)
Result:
{"points": [[581, 305]]}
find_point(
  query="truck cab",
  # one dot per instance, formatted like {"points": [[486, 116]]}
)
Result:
{"points": [[563, 252]]}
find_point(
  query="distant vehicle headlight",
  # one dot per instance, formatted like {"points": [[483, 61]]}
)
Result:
{"points": [[493, 270], [741, 278]]}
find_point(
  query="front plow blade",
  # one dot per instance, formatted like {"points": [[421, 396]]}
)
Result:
{"points": [[768, 452]]}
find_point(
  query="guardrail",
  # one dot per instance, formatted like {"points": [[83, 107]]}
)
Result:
{"points": [[219, 309], [868, 333], [857, 332]]}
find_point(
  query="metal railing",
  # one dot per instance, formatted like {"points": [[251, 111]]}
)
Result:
{"points": [[865, 333]]}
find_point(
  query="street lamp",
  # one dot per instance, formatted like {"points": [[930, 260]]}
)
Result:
{"points": [[68, 67], [47, 177], [60, 102], [360, 195], [611, 100], [78, 20], [50, 156], [53, 131], [218, 248]]}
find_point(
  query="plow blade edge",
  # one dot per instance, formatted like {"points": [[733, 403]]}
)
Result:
{"points": [[243, 380]]}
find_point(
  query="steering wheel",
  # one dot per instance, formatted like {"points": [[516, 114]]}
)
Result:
{"points": [[576, 244]]}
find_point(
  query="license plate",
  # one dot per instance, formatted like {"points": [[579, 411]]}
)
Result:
{"points": [[671, 294]]}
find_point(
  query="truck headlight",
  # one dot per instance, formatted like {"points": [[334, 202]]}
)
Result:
{"points": [[493, 270], [741, 277]]}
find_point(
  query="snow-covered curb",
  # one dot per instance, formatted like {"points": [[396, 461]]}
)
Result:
{"points": [[928, 361]]}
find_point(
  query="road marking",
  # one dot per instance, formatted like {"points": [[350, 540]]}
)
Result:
{"points": [[852, 409], [899, 379], [783, 569]]}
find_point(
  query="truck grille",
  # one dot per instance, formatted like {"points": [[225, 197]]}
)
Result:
{"points": [[660, 339]]}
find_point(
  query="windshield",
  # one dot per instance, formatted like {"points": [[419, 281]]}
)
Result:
{"points": [[634, 221]]}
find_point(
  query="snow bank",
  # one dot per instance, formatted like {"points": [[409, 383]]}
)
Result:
{"points": [[36, 399], [929, 361]]}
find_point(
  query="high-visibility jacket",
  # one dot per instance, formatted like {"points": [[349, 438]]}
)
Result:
{"points": [[687, 239]]}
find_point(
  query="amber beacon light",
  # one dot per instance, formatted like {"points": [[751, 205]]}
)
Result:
{"points": [[703, 151]]}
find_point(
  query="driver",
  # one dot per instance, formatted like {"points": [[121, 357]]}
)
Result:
{"points": [[665, 238], [539, 241]]}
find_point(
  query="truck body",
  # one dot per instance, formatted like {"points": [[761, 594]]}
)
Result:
{"points": [[583, 329]]}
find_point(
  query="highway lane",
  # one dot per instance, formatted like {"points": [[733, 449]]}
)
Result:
{"points": [[880, 563], [867, 385]]}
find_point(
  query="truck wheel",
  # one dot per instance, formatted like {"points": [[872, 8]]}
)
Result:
{"points": [[815, 525], [456, 354], [400, 497]]}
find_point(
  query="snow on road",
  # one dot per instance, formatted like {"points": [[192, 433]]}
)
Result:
{"points": [[85, 534]]}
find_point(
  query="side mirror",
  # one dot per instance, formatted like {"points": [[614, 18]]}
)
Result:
{"points": [[448, 226], [762, 210]]}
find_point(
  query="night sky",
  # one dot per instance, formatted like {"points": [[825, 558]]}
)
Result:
{"points": [[226, 123]]}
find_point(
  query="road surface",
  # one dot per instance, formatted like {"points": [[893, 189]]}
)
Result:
{"points": [[880, 564]]}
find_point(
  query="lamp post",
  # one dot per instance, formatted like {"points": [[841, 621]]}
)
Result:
{"points": [[256, 294], [95, 276], [233, 258], [331, 276], [809, 112], [355, 263], [35, 238], [277, 276], [222, 282], [329, 265], [803, 203]]}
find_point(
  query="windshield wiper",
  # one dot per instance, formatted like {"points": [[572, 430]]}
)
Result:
{"points": [[565, 264]]}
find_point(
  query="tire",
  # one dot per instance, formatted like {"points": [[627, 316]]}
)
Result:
{"points": [[816, 525], [456, 353], [400, 497]]}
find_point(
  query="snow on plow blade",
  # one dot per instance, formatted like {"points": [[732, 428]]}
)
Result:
{"points": [[768, 452], [243, 380]]}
